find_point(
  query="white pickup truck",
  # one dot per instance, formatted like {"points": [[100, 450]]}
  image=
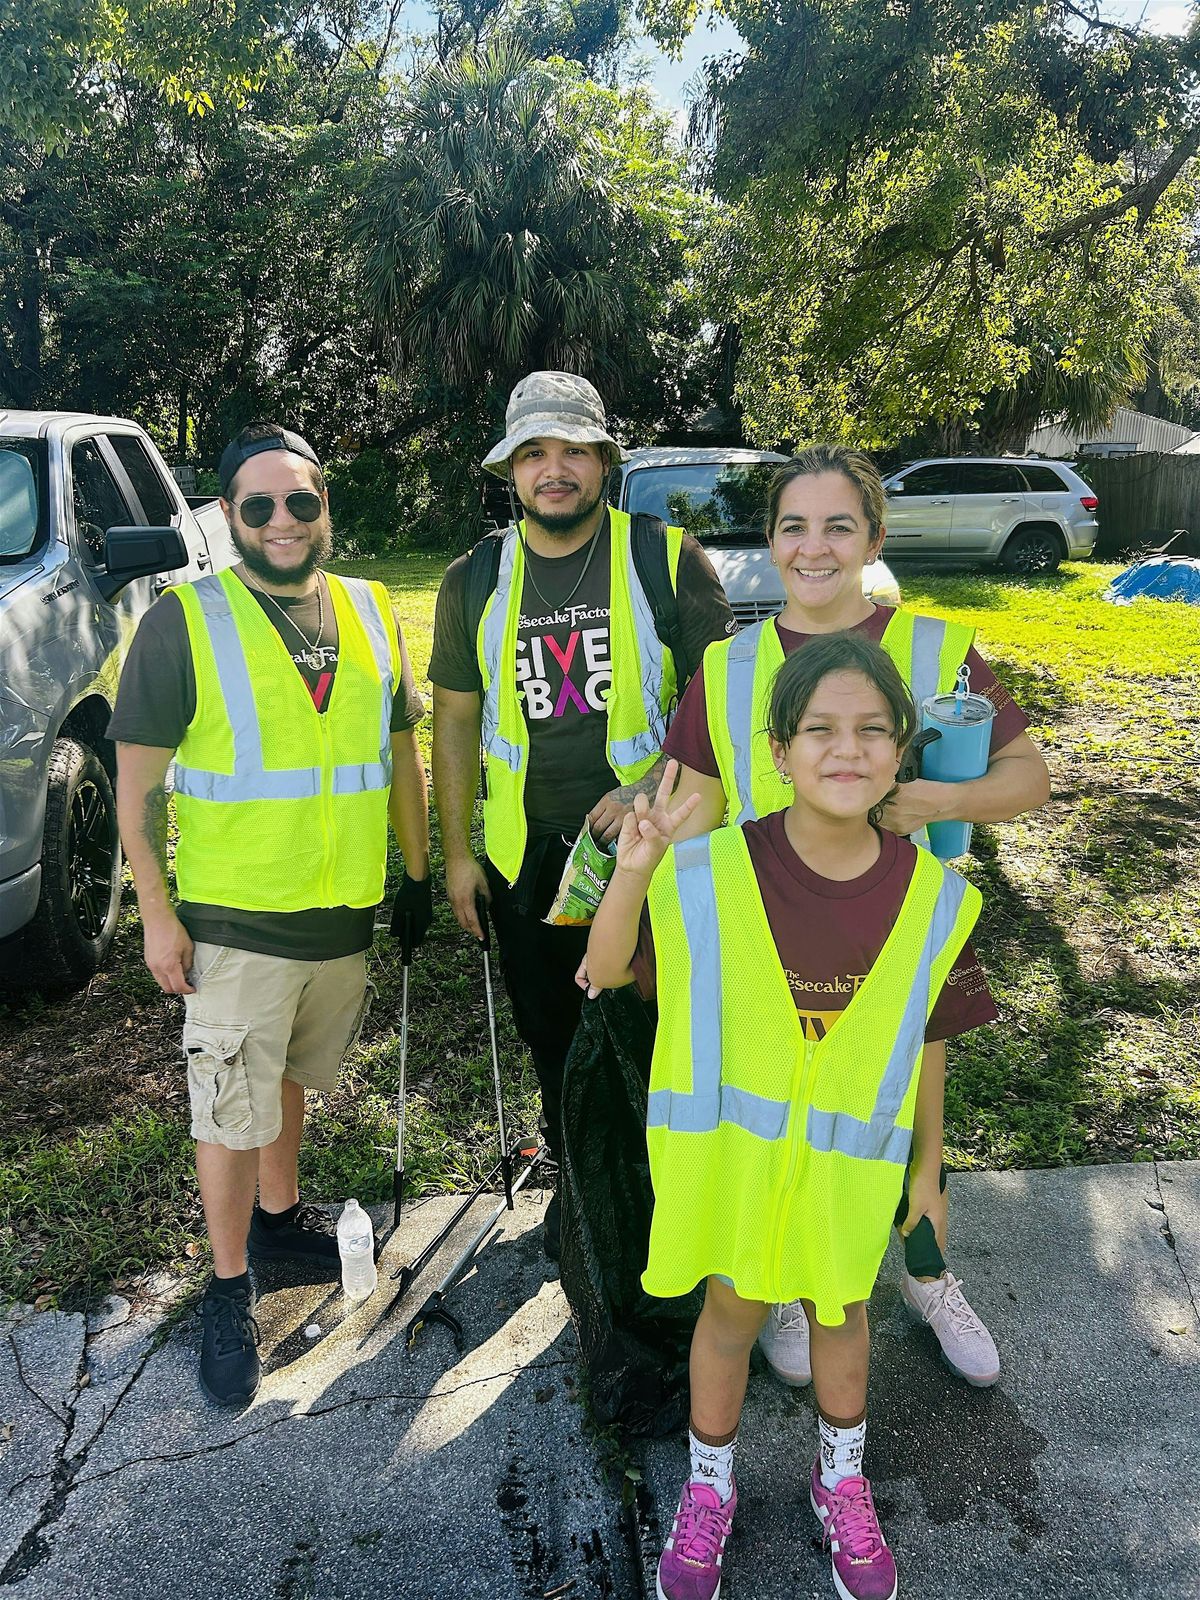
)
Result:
{"points": [[92, 528]]}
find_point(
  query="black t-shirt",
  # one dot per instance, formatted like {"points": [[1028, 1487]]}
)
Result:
{"points": [[156, 701], [564, 669]]}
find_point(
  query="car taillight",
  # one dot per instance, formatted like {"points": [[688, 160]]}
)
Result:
{"points": [[1088, 502]]}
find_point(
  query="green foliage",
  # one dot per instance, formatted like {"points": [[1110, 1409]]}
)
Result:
{"points": [[524, 219], [59, 58], [933, 236]]}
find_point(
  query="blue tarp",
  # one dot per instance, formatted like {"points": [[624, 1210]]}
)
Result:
{"points": [[1158, 578]]}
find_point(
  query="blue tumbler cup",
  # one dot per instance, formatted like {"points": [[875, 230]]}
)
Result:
{"points": [[963, 722]]}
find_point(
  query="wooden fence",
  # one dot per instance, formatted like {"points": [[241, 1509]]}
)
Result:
{"points": [[1143, 498]]}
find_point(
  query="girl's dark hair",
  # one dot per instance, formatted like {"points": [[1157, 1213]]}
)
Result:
{"points": [[853, 465], [797, 679]]}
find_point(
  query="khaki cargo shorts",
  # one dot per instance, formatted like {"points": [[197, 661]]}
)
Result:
{"points": [[255, 1020]]}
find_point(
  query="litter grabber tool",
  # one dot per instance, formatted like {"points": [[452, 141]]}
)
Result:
{"points": [[406, 950], [434, 1308], [505, 1153], [404, 1277], [406, 953]]}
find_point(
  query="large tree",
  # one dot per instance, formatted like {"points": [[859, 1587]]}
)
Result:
{"points": [[191, 271], [960, 213], [526, 219]]}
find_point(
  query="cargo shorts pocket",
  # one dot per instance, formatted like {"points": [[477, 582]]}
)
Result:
{"points": [[217, 1080], [360, 1017]]}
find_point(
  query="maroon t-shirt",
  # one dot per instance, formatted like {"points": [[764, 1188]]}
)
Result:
{"points": [[689, 742], [828, 934]]}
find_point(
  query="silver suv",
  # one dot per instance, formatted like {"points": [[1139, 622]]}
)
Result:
{"points": [[1026, 515]]}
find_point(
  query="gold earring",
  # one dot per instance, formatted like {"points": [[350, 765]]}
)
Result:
{"points": [[784, 777]]}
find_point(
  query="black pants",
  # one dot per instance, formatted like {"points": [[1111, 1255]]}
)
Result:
{"points": [[539, 964]]}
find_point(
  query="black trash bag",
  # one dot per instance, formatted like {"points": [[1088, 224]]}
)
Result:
{"points": [[634, 1345]]}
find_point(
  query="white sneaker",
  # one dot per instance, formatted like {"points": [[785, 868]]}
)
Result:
{"points": [[784, 1342], [968, 1349]]}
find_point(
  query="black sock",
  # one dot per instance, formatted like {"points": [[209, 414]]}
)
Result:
{"points": [[278, 1219], [230, 1285]]}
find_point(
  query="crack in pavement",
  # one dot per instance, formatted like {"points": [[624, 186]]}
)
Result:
{"points": [[64, 1475], [77, 1482], [1168, 1233]]}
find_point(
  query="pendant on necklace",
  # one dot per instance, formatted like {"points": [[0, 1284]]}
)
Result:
{"points": [[314, 660]]}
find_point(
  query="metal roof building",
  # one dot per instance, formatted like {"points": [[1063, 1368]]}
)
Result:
{"points": [[1129, 433]]}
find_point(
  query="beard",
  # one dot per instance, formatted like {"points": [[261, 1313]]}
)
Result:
{"points": [[260, 564], [563, 523]]}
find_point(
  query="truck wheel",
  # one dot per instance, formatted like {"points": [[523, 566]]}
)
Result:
{"points": [[76, 918], [1032, 551]]}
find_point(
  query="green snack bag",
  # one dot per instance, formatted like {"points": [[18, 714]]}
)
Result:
{"points": [[584, 880]]}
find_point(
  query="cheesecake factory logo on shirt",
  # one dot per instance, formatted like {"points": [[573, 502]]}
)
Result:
{"points": [[820, 1002], [561, 673]]}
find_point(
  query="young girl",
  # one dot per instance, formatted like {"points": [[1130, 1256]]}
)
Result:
{"points": [[778, 1160], [826, 523]]}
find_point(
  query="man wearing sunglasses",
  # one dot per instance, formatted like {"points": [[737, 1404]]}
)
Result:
{"points": [[285, 697]]}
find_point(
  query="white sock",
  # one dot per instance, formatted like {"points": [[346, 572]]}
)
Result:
{"points": [[841, 1452], [712, 1464]]}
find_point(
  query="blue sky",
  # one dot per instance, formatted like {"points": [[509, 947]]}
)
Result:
{"points": [[718, 36]]}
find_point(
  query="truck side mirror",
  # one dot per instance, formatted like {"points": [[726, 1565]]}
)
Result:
{"points": [[131, 553]]}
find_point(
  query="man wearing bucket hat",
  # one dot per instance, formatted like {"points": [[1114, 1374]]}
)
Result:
{"points": [[561, 645], [285, 698]]}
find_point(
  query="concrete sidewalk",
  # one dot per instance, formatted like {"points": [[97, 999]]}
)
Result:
{"points": [[367, 1472]]}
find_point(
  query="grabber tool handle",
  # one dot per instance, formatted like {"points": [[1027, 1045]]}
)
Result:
{"points": [[406, 940], [481, 911]]}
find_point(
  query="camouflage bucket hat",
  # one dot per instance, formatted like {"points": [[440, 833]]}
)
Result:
{"points": [[552, 405]]}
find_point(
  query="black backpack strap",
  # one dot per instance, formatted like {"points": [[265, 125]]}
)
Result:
{"points": [[483, 573], [650, 560]]}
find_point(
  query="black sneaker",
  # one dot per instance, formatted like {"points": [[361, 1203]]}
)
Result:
{"points": [[552, 1228], [229, 1366], [311, 1235]]}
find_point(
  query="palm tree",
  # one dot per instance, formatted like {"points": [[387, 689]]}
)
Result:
{"points": [[490, 230]]}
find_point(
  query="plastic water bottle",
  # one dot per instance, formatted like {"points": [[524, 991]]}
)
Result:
{"points": [[356, 1246]]}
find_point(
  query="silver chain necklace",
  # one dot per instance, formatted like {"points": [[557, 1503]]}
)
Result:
{"points": [[311, 656], [575, 586]]}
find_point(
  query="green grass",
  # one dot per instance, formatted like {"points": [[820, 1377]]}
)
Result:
{"points": [[1090, 936]]}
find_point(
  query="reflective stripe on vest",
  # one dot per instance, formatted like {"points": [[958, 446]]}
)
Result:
{"points": [[927, 652], [250, 778], [711, 1103], [643, 686]]}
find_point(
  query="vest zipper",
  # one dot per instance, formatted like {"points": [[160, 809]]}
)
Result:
{"points": [[800, 1095]]}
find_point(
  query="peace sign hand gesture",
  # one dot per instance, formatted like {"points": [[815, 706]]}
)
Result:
{"points": [[649, 829]]}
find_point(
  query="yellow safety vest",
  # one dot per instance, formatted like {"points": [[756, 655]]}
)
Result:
{"points": [[739, 673], [778, 1161], [280, 807], [644, 686]]}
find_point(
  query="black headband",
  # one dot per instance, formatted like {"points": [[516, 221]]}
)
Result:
{"points": [[234, 454]]}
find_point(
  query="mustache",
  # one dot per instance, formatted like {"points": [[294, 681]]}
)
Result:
{"points": [[565, 483]]}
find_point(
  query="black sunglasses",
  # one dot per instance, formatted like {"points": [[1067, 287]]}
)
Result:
{"points": [[258, 509]]}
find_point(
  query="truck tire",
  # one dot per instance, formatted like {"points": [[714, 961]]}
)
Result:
{"points": [[1033, 551], [72, 929]]}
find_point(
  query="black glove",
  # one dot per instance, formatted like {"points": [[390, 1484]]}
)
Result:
{"points": [[414, 900]]}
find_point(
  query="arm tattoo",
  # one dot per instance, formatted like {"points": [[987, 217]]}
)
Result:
{"points": [[154, 825], [647, 785]]}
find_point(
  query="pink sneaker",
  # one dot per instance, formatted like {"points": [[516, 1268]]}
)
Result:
{"points": [[863, 1568], [690, 1565]]}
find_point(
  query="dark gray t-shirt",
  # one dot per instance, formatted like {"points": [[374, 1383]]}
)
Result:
{"points": [[156, 701], [564, 669]]}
